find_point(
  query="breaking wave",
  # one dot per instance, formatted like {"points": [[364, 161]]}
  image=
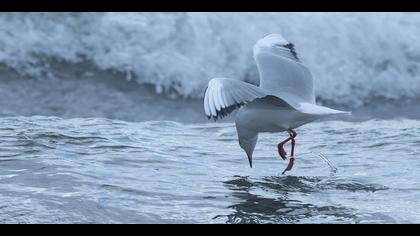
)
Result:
{"points": [[354, 57]]}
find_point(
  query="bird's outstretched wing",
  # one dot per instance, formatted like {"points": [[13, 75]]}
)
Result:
{"points": [[224, 95], [281, 72]]}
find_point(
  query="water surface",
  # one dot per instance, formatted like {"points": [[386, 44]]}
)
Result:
{"points": [[95, 170]]}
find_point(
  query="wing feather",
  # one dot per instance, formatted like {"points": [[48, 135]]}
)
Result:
{"points": [[224, 95], [281, 72]]}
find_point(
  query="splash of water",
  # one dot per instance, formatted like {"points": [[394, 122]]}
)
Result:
{"points": [[354, 57]]}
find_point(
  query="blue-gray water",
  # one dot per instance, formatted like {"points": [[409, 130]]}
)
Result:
{"points": [[101, 120], [95, 170]]}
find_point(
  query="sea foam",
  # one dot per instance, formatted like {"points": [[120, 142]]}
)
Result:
{"points": [[354, 57]]}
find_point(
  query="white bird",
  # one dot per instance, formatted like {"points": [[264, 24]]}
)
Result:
{"points": [[284, 100]]}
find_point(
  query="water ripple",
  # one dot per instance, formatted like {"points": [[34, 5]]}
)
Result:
{"points": [[93, 170]]}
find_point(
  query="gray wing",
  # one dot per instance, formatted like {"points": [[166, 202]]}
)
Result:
{"points": [[281, 72], [224, 95]]}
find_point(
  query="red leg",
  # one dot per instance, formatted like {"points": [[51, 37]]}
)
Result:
{"points": [[292, 156], [292, 152], [292, 133], [292, 137], [280, 147], [281, 150]]}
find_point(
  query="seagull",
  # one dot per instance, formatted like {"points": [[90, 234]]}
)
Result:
{"points": [[283, 101]]}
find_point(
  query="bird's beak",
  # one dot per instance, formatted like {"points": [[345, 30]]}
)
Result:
{"points": [[250, 160]]}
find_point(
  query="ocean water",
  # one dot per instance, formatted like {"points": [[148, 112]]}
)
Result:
{"points": [[101, 120], [96, 170], [354, 57]]}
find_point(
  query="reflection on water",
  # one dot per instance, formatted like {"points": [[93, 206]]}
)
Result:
{"points": [[256, 208]]}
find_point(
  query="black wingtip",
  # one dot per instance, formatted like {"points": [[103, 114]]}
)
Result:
{"points": [[292, 49]]}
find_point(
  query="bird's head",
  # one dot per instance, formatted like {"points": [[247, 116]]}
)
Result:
{"points": [[248, 145]]}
